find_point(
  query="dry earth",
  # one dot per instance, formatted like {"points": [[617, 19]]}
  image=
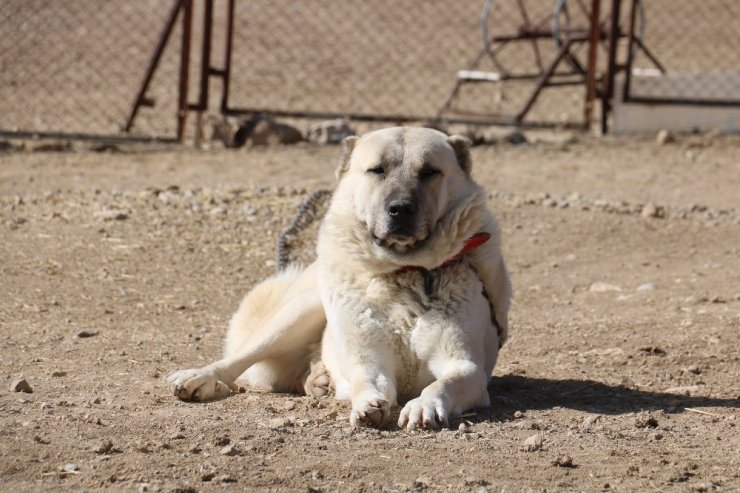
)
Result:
{"points": [[621, 373]]}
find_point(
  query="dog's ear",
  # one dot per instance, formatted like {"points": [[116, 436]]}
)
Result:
{"points": [[461, 145], [347, 146]]}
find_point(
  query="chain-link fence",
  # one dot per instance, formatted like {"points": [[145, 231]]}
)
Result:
{"points": [[74, 67], [77, 67], [693, 52]]}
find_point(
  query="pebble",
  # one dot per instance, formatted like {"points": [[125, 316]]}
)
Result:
{"points": [[230, 451], [463, 428], [277, 423], [589, 420], [103, 447], [518, 415], [603, 287], [20, 385], [289, 405], [59, 373], [646, 421], [648, 286], [664, 137], [694, 369], [86, 333], [651, 210], [563, 461], [533, 443], [71, 467], [422, 482]]}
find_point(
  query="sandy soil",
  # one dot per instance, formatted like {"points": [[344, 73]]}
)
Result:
{"points": [[621, 373]]}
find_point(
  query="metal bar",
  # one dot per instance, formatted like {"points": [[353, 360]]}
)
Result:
{"points": [[723, 103], [630, 51], [593, 50], [227, 56], [205, 59], [153, 63], [562, 52], [649, 53], [25, 134], [540, 34], [480, 118], [184, 82], [611, 71], [528, 25]]}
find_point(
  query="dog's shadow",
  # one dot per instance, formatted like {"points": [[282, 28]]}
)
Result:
{"points": [[511, 393]]}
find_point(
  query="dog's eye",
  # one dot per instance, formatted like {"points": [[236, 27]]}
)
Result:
{"points": [[427, 173], [378, 170]]}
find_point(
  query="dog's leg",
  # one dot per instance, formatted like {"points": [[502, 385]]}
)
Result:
{"points": [[460, 385], [360, 361], [490, 266], [271, 324]]}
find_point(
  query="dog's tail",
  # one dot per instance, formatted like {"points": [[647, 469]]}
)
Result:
{"points": [[277, 331]]}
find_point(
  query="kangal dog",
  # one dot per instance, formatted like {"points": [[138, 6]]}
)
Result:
{"points": [[407, 301]]}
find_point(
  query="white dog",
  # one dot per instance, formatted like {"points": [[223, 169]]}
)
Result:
{"points": [[407, 301]]}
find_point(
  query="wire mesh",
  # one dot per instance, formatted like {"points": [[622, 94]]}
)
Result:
{"points": [[74, 67], [697, 43], [77, 66]]}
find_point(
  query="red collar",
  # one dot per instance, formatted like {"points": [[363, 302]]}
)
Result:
{"points": [[471, 244]]}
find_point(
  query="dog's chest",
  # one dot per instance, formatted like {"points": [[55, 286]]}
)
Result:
{"points": [[419, 320]]}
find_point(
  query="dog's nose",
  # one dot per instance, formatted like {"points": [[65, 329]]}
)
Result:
{"points": [[401, 209]]}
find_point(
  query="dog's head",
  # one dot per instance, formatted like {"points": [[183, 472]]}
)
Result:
{"points": [[399, 182]]}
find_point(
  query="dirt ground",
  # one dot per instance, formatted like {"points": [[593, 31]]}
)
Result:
{"points": [[621, 374]]}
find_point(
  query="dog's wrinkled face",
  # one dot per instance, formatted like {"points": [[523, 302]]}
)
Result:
{"points": [[401, 180]]}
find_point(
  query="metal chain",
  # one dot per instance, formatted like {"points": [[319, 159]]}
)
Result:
{"points": [[306, 215]]}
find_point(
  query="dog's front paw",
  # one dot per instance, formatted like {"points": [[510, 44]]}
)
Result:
{"points": [[369, 410], [198, 384], [424, 413]]}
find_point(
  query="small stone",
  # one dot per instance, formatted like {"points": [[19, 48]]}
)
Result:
{"points": [[518, 415], [422, 482], [86, 333], [651, 210], [289, 405], [533, 443], [664, 137], [20, 385], [648, 286], [463, 428], [563, 461], [71, 467], [646, 421], [277, 423], [218, 442], [59, 373], [103, 447], [589, 420], [694, 369], [603, 287], [653, 350], [657, 436], [230, 451], [316, 475]]}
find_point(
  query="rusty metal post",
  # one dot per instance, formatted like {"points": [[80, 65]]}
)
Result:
{"points": [[227, 57], [205, 60], [141, 99], [593, 50], [612, 65], [182, 101], [630, 52]]}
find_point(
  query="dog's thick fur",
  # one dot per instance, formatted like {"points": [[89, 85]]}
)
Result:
{"points": [[363, 320]]}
